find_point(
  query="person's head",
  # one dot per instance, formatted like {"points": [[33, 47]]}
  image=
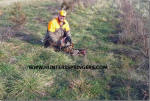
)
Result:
{"points": [[62, 15]]}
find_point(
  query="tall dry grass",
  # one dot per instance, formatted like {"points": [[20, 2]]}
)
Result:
{"points": [[133, 26]]}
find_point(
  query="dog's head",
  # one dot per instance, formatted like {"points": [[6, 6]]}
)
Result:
{"points": [[68, 49]]}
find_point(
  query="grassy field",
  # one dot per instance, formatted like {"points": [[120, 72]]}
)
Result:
{"points": [[90, 29]]}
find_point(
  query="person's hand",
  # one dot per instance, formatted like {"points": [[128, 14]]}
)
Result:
{"points": [[68, 39]]}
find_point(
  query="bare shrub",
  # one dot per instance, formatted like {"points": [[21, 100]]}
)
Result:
{"points": [[132, 24], [71, 4], [18, 17]]}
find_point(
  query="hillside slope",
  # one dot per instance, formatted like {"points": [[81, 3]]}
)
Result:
{"points": [[91, 28]]}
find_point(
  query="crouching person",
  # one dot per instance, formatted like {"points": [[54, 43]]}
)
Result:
{"points": [[58, 32]]}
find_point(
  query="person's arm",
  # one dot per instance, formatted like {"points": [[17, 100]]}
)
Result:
{"points": [[51, 26], [51, 31], [67, 29], [68, 37]]}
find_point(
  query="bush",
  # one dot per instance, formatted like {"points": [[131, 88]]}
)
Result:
{"points": [[133, 27], [18, 17]]}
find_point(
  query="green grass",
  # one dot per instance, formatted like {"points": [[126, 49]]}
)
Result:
{"points": [[88, 31]]}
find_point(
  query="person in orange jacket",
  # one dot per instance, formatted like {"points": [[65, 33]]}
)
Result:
{"points": [[58, 31]]}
